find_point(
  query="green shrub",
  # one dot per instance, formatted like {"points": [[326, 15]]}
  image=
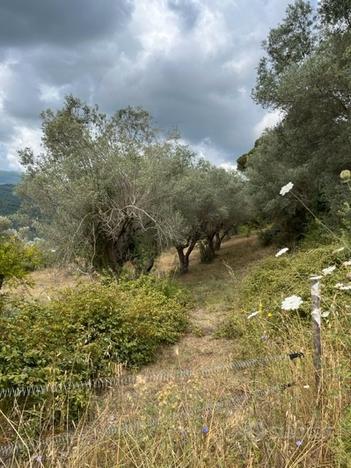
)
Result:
{"points": [[85, 331], [269, 235], [273, 279], [315, 236], [17, 258]]}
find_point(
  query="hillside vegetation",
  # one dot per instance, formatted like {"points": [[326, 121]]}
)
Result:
{"points": [[185, 315], [212, 413], [9, 201]]}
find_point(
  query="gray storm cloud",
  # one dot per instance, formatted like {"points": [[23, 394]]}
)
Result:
{"points": [[190, 63]]}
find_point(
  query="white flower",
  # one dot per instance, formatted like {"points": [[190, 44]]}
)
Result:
{"points": [[253, 314], [329, 270], [316, 277], [325, 314], [306, 386], [343, 287], [348, 263], [53, 250], [291, 303], [281, 252], [339, 250], [286, 189]]}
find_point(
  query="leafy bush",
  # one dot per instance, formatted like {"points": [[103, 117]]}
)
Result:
{"points": [[17, 258], [269, 235], [81, 335], [315, 236], [85, 329], [276, 278]]}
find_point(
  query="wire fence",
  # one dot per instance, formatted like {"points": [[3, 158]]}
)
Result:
{"points": [[125, 427], [133, 378]]}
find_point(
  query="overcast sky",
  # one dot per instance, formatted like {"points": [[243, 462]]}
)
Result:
{"points": [[191, 63]]}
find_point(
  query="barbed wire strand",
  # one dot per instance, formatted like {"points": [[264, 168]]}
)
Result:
{"points": [[127, 427], [108, 382]]}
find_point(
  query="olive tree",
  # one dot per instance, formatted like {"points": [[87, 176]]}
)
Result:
{"points": [[100, 188], [208, 202], [305, 75]]}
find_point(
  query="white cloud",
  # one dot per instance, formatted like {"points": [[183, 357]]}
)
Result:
{"points": [[22, 137], [229, 166], [49, 93], [191, 63], [269, 120], [160, 32], [207, 149]]}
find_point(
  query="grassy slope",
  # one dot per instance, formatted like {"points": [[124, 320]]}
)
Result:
{"points": [[269, 431], [278, 427]]}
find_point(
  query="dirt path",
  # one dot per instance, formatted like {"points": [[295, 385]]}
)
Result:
{"points": [[194, 373], [214, 290], [199, 388], [200, 361]]}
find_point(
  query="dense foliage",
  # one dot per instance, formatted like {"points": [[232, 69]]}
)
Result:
{"points": [[9, 201], [84, 330], [277, 278], [81, 335], [17, 258], [305, 75], [107, 190]]}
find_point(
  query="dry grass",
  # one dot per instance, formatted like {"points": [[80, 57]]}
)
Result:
{"points": [[192, 421], [43, 284]]}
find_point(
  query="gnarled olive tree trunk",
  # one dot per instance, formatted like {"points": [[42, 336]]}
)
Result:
{"points": [[207, 249], [218, 239], [184, 256]]}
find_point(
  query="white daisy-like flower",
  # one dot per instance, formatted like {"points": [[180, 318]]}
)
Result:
{"points": [[281, 251], [339, 250], [253, 314], [343, 287], [348, 263], [291, 303], [316, 277], [329, 270], [286, 189]]}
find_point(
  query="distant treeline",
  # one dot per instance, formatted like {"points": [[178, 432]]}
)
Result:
{"points": [[9, 201]]}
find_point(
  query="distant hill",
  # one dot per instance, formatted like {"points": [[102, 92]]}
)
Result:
{"points": [[9, 202], [9, 177]]}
